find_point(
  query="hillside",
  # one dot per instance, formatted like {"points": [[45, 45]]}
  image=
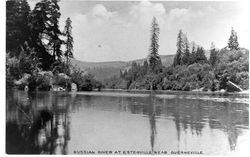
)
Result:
{"points": [[104, 70]]}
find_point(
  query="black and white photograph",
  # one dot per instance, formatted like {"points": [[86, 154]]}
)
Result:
{"points": [[96, 77]]}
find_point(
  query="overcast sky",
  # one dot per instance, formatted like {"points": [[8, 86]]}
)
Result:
{"points": [[120, 30]]}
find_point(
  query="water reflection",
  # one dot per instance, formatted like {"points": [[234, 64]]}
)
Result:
{"points": [[152, 114], [43, 123], [40, 122]]}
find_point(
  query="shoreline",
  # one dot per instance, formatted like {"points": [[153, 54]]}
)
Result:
{"points": [[244, 94], [191, 95]]}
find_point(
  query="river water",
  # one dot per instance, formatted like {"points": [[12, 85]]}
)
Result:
{"points": [[96, 122]]}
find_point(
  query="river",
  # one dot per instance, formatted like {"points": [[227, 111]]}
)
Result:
{"points": [[106, 122]]}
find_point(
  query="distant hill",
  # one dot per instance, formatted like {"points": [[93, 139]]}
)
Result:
{"points": [[104, 70]]}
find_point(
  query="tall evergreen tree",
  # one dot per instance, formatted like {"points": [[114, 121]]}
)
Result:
{"points": [[45, 32], [39, 25], [233, 41], [55, 33], [186, 55], [69, 40], [180, 49], [213, 59], [154, 58], [134, 70], [145, 67], [200, 56], [193, 53], [17, 30]]}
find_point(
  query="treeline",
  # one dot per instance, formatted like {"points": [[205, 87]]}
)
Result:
{"points": [[191, 69], [37, 52]]}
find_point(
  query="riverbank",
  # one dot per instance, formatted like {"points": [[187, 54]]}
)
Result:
{"points": [[243, 93], [215, 97]]}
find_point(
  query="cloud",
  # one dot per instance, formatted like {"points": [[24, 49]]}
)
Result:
{"points": [[184, 15], [146, 7], [145, 10], [126, 35], [99, 11], [123, 37], [179, 15]]}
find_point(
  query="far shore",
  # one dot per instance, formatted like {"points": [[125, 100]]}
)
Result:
{"points": [[242, 93]]}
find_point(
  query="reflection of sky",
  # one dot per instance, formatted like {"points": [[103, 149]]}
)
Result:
{"points": [[132, 123]]}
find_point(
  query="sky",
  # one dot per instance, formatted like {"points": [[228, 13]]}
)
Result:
{"points": [[120, 30]]}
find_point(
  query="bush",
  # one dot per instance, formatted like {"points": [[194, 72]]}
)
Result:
{"points": [[98, 85], [88, 83], [177, 85], [12, 68], [242, 79], [167, 85], [113, 83], [40, 81], [62, 80], [43, 83], [83, 80], [9, 81], [233, 66], [186, 87]]}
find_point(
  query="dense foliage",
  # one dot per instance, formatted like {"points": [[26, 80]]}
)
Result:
{"points": [[34, 55], [189, 71], [233, 41]]}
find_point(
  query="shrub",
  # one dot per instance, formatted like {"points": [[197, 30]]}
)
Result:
{"points": [[83, 80], [43, 82], [186, 87], [9, 81], [12, 68], [167, 85], [62, 80], [242, 79], [40, 81]]}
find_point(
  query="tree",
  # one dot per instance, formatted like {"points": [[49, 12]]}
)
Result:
{"points": [[134, 71], [186, 55], [37, 24], [17, 30], [233, 41], [180, 49], [154, 58], [53, 32], [145, 67], [193, 53], [69, 41], [45, 32], [213, 55], [200, 56]]}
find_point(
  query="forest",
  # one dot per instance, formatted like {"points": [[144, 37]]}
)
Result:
{"points": [[38, 56], [38, 53], [190, 70]]}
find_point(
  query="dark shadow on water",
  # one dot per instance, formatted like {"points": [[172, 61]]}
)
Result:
{"points": [[46, 133]]}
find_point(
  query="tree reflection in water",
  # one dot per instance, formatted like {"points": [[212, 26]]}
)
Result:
{"points": [[48, 132], [40, 123], [152, 114], [193, 115]]}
